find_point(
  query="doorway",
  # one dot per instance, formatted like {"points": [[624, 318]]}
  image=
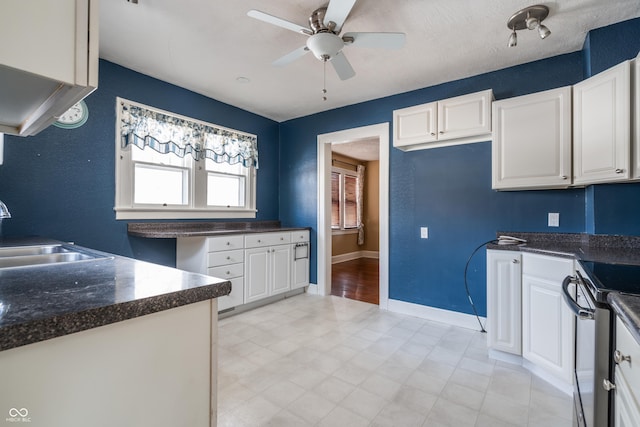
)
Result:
{"points": [[379, 133]]}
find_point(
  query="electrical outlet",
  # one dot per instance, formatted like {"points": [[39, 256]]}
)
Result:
{"points": [[554, 219], [424, 232]]}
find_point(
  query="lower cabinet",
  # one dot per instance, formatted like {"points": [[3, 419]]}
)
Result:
{"points": [[267, 271], [258, 265], [526, 313], [627, 378], [504, 299]]}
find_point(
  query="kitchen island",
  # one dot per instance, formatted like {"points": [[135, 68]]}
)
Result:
{"points": [[108, 341]]}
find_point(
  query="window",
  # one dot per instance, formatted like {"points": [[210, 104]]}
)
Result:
{"points": [[170, 167], [344, 201]]}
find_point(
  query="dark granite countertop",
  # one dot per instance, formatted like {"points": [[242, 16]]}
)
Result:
{"points": [[172, 230], [583, 247], [627, 307], [46, 301]]}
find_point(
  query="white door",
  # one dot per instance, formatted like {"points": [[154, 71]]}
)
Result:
{"points": [[504, 279], [531, 145], [256, 274], [280, 268], [465, 115], [602, 126], [547, 327]]}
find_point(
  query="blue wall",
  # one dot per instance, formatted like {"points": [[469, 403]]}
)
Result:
{"points": [[60, 183], [447, 189]]}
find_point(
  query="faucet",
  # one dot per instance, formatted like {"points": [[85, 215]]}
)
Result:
{"points": [[4, 211]]}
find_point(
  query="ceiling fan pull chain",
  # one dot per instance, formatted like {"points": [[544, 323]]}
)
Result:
{"points": [[324, 81]]}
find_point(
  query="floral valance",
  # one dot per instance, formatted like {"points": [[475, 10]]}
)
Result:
{"points": [[169, 133]]}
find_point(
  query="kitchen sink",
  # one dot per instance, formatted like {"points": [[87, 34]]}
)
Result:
{"points": [[27, 256]]}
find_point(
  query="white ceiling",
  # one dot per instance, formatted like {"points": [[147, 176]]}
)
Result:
{"points": [[205, 45]]}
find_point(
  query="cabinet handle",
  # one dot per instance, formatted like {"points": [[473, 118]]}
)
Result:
{"points": [[563, 177], [515, 261], [619, 170], [441, 132], [228, 273], [282, 238], [608, 385], [228, 243], [433, 134], [228, 257], [619, 357], [259, 241]]}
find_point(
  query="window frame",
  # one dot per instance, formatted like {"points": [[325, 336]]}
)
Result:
{"points": [[344, 172], [196, 207]]}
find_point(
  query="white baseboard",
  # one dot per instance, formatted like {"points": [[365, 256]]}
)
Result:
{"points": [[354, 255], [561, 385], [313, 289], [436, 314]]}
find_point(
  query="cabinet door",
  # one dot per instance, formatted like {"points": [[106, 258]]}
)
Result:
{"points": [[280, 269], [626, 409], [547, 327], [531, 144], [300, 273], [466, 115], [256, 274], [601, 124], [414, 125], [504, 280]]}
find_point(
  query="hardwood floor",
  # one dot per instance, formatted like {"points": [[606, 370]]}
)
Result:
{"points": [[357, 279]]}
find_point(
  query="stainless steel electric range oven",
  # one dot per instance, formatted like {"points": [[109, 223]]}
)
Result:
{"points": [[592, 397]]}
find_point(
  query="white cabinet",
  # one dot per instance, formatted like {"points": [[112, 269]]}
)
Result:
{"points": [[267, 268], [547, 323], [221, 256], [258, 265], [48, 60], [627, 378], [602, 126], [457, 120], [504, 283], [531, 146], [154, 370], [635, 118]]}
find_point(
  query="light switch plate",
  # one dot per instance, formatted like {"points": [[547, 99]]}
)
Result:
{"points": [[424, 232], [554, 219]]}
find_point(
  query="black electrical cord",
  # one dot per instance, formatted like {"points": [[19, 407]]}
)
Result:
{"points": [[466, 285]]}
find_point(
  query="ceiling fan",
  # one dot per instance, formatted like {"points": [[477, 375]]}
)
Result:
{"points": [[324, 40]]}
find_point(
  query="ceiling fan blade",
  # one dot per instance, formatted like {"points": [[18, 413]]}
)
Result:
{"points": [[342, 66], [270, 19], [337, 12], [376, 40], [291, 56]]}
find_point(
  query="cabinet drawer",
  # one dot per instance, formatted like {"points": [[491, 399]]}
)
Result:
{"points": [[628, 346], [300, 236], [227, 271], [546, 267], [225, 243], [217, 259], [266, 239]]}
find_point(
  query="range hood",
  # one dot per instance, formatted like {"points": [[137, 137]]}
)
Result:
{"points": [[48, 61]]}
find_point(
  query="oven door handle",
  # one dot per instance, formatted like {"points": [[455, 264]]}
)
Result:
{"points": [[583, 313]]}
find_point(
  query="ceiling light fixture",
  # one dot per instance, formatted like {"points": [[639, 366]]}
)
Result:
{"points": [[528, 18]]}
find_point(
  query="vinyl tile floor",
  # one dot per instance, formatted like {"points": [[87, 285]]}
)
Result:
{"points": [[329, 361]]}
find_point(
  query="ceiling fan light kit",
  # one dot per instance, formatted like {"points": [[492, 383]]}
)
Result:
{"points": [[528, 18], [324, 26]]}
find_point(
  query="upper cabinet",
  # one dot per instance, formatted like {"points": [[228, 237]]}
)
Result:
{"points": [[48, 60], [531, 145], [452, 121], [602, 125]]}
